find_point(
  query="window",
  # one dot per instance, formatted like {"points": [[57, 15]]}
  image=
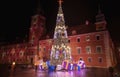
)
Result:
{"points": [[97, 37], [88, 49], [99, 59], [17, 60], [98, 49], [24, 53], [32, 53], [69, 41], [20, 60], [3, 54], [79, 50], [87, 38], [44, 49], [81, 59], [33, 38], [39, 58], [78, 39], [21, 53], [89, 59], [39, 49]]}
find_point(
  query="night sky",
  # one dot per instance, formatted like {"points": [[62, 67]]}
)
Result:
{"points": [[16, 15]]}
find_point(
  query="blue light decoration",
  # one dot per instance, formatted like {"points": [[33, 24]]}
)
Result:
{"points": [[48, 63], [50, 67], [78, 68]]}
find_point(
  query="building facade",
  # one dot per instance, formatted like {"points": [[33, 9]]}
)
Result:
{"points": [[89, 42]]}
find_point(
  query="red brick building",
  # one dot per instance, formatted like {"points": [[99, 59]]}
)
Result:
{"points": [[89, 42]]}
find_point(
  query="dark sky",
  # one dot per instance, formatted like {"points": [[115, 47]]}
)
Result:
{"points": [[16, 15]]}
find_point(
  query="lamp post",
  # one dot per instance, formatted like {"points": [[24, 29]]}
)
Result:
{"points": [[12, 68]]}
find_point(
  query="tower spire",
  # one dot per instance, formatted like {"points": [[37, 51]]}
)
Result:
{"points": [[100, 20], [99, 10], [100, 16], [38, 8]]}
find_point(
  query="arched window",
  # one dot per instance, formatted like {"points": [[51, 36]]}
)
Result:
{"points": [[78, 39]]}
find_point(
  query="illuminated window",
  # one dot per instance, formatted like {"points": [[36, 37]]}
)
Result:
{"points": [[99, 59], [89, 59], [88, 49], [98, 49], [87, 38]]}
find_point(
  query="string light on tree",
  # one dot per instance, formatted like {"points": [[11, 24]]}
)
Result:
{"points": [[60, 50]]}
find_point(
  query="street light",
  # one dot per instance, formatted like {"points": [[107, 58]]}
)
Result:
{"points": [[13, 67], [13, 63]]}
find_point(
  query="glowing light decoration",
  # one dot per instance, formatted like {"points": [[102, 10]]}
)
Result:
{"points": [[60, 50], [81, 64], [71, 66]]}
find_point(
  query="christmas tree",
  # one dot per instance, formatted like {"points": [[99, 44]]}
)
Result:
{"points": [[60, 50]]}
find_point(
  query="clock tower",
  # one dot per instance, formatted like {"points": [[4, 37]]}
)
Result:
{"points": [[36, 31], [37, 28], [100, 21]]}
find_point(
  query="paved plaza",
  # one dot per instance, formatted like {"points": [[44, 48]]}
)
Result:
{"points": [[93, 72]]}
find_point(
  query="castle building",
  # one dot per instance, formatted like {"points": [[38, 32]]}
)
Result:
{"points": [[89, 42]]}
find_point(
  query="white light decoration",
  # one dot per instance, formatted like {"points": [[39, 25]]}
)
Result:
{"points": [[60, 50]]}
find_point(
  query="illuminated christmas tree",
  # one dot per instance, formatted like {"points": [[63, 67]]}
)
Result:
{"points": [[60, 50]]}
